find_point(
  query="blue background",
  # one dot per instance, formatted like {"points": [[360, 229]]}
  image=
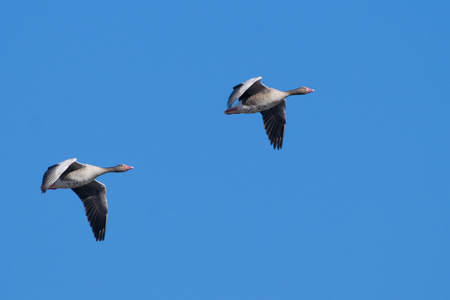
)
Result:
{"points": [[355, 205]]}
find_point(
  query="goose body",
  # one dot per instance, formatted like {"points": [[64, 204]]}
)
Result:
{"points": [[70, 174], [253, 97]]}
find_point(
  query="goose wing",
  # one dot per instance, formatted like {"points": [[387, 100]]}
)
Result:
{"points": [[93, 196], [246, 89], [275, 122], [55, 171]]}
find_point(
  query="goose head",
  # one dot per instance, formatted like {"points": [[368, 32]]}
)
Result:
{"points": [[122, 168], [301, 91]]}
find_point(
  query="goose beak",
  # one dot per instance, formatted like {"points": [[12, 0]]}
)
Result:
{"points": [[128, 168], [309, 90]]}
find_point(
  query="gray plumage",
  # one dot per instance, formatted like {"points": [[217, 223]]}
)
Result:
{"points": [[81, 179], [255, 97]]}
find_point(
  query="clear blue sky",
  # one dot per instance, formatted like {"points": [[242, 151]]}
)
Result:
{"points": [[355, 206]]}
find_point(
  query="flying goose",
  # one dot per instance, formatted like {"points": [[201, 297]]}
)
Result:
{"points": [[271, 103], [70, 174]]}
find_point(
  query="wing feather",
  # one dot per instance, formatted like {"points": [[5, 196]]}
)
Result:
{"points": [[246, 89], [93, 196], [54, 172], [275, 122]]}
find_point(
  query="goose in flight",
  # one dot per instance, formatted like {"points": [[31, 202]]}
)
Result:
{"points": [[271, 103], [70, 174]]}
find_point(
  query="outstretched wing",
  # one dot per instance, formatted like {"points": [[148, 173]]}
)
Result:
{"points": [[274, 122], [93, 196], [54, 172], [246, 89]]}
